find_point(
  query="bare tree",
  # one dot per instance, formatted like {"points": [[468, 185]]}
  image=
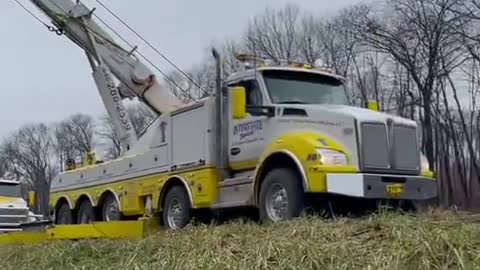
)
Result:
{"points": [[140, 115], [229, 51], [469, 33], [63, 145], [109, 140], [419, 35], [73, 137], [340, 41], [3, 163], [81, 127], [109, 137], [181, 87], [274, 33], [30, 155], [200, 81]]}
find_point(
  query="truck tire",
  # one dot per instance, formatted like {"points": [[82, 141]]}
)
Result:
{"points": [[177, 212], [85, 213], [281, 196], [63, 215], [110, 209]]}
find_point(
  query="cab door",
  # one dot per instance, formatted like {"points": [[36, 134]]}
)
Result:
{"points": [[246, 138]]}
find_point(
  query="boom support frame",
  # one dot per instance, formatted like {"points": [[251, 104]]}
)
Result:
{"points": [[117, 72]]}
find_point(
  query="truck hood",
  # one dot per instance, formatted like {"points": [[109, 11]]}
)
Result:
{"points": [[12, 202], [349, 112]]}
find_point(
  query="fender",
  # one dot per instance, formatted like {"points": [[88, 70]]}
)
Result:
{"points": [[114, 195], [69, 202], [299, 145], [185, 184], [297, 162], [89, 198]]}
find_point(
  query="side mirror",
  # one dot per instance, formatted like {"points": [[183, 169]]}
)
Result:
{"points": [[239, 102], [372, 105]]}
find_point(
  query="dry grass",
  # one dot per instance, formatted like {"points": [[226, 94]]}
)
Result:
{"points": [[383, 241]]}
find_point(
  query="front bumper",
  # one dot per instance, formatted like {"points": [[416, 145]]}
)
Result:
{"points": [[382, 186]]}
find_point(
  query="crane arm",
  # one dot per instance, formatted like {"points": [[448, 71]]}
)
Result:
{"points": [[108, 58]]}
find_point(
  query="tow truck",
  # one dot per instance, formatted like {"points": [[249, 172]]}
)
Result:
{"points": [[14, 209], [266, 137]]}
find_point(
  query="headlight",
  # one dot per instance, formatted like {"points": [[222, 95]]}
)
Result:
{"points": [[424, 163], [332, 158]]}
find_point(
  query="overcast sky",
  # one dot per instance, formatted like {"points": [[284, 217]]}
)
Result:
{"points": [[45, 78]]}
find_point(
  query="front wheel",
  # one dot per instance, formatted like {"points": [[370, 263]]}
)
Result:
{"points": [[177, 212], [281, 196]]}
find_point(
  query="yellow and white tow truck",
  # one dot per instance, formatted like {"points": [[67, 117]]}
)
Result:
{"points": [[266, 137], [14, 209]]}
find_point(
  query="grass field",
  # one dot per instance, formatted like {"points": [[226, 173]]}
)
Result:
{"points": [[384, 241]]}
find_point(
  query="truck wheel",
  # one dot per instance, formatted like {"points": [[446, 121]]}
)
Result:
{"points": [[85, 213], [177, 212], [63, 215], [110, 209], [281, 196]]}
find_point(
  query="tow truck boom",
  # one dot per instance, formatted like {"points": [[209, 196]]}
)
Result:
{"points": [[107, 57]]}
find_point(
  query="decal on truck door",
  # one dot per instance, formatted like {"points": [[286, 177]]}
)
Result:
{"points": [[247, 129], [248, 137], [247, 132]]}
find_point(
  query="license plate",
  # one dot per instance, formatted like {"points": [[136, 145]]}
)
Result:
{"points": [[395, 190]]}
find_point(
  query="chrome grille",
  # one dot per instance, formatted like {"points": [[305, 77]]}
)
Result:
{"points": [[392, 149], [374, 146], [13, 219], [13, 215], [405, 149], [13, 211]]}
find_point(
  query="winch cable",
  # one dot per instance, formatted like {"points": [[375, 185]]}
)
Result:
{"points": [[60, 32], [49, 27], [148, 43], [131, 46], [144, 57]]}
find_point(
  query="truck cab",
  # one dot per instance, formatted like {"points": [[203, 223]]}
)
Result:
{"points": [[294, 124], [13, 208]]}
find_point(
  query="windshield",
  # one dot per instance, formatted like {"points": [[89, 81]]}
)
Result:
{"points": [[303, 88], [9, 190]]}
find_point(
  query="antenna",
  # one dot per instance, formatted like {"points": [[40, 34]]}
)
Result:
{"points": [[255, 60]]}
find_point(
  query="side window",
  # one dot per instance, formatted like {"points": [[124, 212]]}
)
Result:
{"points": [[253, 93]]}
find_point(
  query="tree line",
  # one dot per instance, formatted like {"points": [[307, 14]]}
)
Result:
{"points": [[418, 59]]}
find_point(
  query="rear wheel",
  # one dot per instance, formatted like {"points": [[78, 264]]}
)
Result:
{"points": [[110, 209], [63, 214], [177, 212], [85, 213], [281, 196]]}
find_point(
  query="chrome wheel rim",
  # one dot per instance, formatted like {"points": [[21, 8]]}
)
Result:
{"points": [[277, 202], [174, 214], [111, 212]]}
